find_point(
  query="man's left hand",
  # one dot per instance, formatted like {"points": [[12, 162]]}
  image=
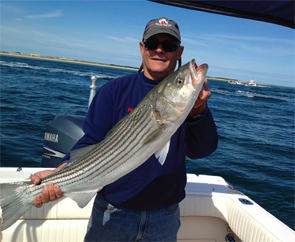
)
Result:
{"points": [[201, 104]]}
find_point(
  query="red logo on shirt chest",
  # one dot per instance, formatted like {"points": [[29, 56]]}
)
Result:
{"points": [[129, 110]]}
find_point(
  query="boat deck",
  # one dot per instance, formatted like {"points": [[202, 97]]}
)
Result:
{"points": [[211, 211]]}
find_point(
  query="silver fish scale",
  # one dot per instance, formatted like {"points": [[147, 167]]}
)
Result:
{"points": [[115, 151], [143, 132]]}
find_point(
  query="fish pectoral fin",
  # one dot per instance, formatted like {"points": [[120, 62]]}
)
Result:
{"points": [[161, 154], [81, 198], [155, 135]]}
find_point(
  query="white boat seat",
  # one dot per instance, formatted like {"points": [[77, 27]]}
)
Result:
{"points": [[209, 202]]}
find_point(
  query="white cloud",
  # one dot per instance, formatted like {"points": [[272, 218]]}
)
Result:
{"points": [[194, 42], [235, 39], [132, 39], [10, 8], [124, 40], [55, 14], [267, 50], [254, 38]]}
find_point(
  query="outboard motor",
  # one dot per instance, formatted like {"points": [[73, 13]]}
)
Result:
{"points": [[62, 133], [60, 136]]}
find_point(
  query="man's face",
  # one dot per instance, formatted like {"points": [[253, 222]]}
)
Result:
{"points": [[158, 63]]}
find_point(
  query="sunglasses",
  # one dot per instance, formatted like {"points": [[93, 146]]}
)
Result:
{"points": [[167, 45]]}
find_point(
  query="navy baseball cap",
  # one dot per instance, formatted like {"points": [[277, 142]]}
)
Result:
{"points": [[161, 26]]}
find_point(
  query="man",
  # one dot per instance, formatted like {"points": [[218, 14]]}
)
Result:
{"points": [[142, 205]]}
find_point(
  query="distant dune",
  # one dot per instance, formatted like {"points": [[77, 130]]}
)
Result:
{"points": [[70, 60]]}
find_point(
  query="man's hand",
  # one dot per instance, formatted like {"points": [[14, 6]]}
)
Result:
{"points": [[200, 104], [50, 192]]}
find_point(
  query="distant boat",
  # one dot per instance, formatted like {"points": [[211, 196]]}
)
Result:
{"points": [[251, 83], [238, 82], [232, 82]]}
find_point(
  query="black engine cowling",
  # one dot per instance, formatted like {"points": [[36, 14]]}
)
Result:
{"points": [[60, 136]]}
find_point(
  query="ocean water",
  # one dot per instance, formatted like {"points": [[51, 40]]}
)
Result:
{"points": [[255, 126]]}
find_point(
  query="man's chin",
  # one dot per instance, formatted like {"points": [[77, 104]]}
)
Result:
{"points": [[159, 66]]}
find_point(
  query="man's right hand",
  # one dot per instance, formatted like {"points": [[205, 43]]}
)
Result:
{"points": [[50, 192]]}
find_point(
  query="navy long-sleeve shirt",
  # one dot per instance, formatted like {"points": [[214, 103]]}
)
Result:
{"points": [[151, 185]]}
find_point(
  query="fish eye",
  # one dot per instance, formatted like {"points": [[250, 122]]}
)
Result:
{"points": [[179, 81]]}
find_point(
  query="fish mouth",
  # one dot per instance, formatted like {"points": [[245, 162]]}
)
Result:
{"points": [[198, 73]]}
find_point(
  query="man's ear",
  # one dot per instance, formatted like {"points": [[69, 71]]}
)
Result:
{"points": [[141, 46], [180, 51]]}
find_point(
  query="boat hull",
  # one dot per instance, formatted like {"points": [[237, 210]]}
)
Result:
{"points": [[212, 210]]}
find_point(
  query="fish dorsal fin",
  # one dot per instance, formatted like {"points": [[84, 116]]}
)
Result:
{"points": [[114, 129], [131, 119], [75, 154], [81, 198], [161, 154]]}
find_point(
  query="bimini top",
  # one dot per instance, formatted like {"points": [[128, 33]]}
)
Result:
{"points": [[277, 12]]}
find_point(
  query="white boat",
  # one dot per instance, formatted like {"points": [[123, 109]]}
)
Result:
{"points": [[251, 83], [238, 82], [212, 211]]}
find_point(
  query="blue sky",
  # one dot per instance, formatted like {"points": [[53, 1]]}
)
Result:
{"points": [[109, 32]]}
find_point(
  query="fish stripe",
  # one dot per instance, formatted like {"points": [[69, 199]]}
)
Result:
{"points": [[112, 158], [128, 145]]}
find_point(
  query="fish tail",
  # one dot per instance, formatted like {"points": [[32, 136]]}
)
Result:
{"points": [[13, 202]]}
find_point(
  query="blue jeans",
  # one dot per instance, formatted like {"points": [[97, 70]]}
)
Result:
{"points": [[108, 223]]}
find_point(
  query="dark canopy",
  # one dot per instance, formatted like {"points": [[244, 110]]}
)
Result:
{"points": [[277, 12]]}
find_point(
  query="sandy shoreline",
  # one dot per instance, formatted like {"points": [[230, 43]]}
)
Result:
{"points": [[69, 60]]}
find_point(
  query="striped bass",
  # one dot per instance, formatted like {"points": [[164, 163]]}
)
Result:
{"points": [[143, 132]]}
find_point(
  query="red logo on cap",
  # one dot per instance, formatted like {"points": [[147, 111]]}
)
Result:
{"points": [[163, 21]]}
